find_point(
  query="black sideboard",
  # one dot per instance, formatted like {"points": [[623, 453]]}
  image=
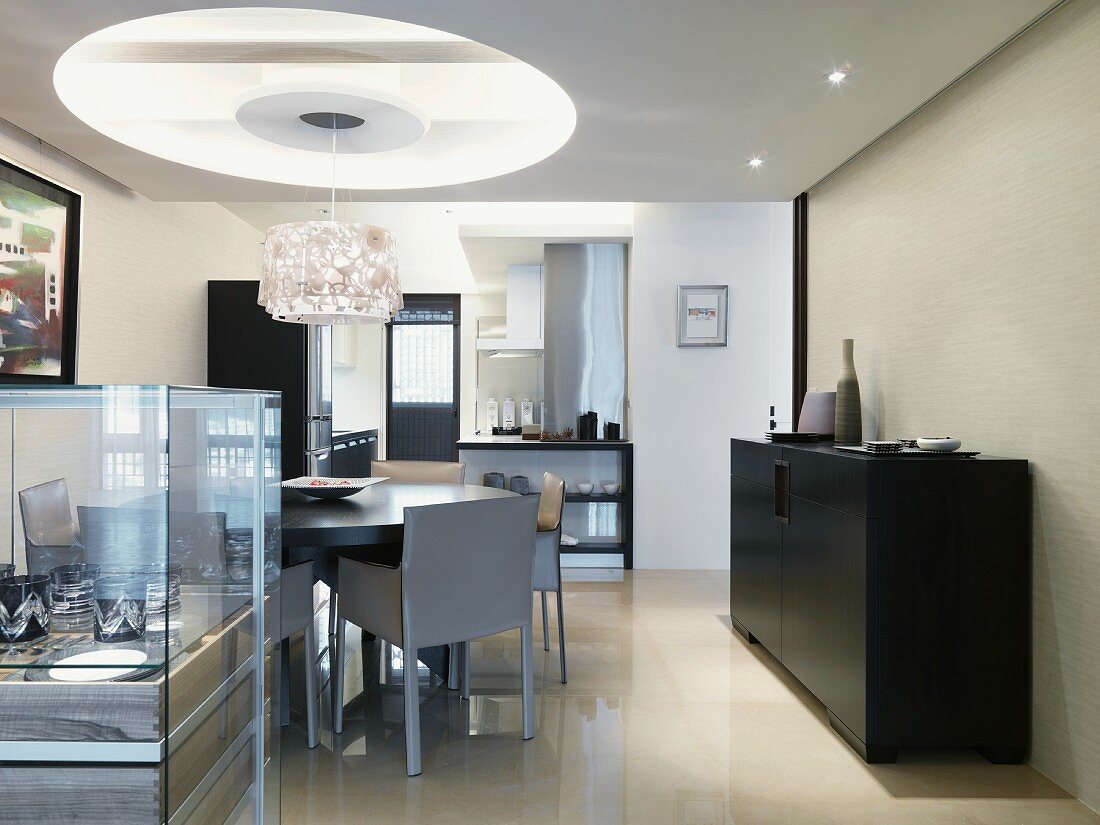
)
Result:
{"points": [[896, 588]]}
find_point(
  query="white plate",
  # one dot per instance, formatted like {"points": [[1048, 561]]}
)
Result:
{"points": [[66, 670], [332, 483]]}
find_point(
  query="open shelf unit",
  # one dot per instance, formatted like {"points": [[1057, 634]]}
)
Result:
{"points": [[561, 457]]}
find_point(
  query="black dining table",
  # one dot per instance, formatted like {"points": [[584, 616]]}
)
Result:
{"points": [[374, 516], [368, 525]]}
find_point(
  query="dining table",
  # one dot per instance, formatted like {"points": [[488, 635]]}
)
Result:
{"points": [[374, 516], [368, 525]]}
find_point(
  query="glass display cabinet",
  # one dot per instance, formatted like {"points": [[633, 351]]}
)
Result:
{"points": [[139, 575]]}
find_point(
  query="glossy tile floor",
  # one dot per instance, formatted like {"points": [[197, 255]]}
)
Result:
{"points": [[668, 717]]}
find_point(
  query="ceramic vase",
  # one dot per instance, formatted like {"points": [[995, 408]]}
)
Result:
{"points": [[849, 416]]}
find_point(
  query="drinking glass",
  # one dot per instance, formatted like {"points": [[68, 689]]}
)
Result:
{"points": [[120, 608], [72, 591], [24, 609], [163, 592]]}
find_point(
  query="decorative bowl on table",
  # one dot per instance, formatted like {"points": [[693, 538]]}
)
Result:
{"points": [[329, 488], [610, 488], [584, 487], [939, 444]]}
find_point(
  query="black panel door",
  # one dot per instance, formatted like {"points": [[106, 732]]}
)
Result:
{"points": [[825, 607], [423, 377], [756, 567]]}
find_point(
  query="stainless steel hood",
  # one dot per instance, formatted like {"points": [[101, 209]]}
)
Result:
{"points": [[584, 331]]}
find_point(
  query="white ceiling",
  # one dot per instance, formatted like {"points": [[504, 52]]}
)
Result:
{"points": [[672, 98], [462, 247]]}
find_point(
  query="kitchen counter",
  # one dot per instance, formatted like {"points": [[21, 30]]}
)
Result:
{"points": [[515, 442]]}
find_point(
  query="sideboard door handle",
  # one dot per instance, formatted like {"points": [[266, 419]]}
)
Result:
{"points": [[782, 491]]}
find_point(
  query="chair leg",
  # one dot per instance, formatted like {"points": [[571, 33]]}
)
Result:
{"points": [[412, 712], [545, 623], [561, 639], [465, 657], [284, 684], [336, 678], [453, 665], [527, 680], [313, 701], [332, 615]]}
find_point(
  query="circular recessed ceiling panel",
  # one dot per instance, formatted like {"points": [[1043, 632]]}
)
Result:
{"points": [[226, 89]]}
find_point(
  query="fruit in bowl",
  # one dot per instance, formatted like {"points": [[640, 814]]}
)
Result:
{"points": [[328, 488]]}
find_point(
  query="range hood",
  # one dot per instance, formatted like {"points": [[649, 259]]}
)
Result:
{"points": [[519, 333]]}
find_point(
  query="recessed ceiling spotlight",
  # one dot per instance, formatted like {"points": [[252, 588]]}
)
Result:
{"points": [[756, 162], [838, 75]]}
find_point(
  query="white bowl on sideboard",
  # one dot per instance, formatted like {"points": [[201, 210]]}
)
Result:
{"points": [[939, 445], [585, 487]]}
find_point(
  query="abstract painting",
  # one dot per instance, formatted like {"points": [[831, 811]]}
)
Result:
{"points": [[39, 240]]}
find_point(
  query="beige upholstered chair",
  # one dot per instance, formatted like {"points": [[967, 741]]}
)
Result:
{"points": [[429, 472], [547, 572]]}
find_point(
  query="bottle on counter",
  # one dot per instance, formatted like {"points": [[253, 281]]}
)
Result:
{"points": [[509, 413], [491, 417], [526, 411]]}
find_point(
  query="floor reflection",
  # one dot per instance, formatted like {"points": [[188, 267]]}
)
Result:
{"points": [[668, 718]]}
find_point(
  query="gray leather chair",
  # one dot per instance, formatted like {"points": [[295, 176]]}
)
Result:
{"points": [[433, 472], [50, 534], [547, 573], [424, 472], [296, 613], [465, 573]]}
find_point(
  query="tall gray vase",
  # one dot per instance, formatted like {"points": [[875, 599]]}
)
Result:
{"points": [[849, 416]]}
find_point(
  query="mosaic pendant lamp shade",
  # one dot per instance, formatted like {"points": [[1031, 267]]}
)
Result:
{"points": [[325, 272]]}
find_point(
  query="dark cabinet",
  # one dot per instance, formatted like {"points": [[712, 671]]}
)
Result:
{"points": [[896, 589], [352, 453], [756, 562], [824, 625]]}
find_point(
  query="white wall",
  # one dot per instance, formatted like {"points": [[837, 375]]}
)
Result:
{"points": [[143, 273], [687, 403], [357, 392]]}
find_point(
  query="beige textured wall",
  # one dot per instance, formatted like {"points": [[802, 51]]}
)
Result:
{"points": [[144, 268], [963, 255]]}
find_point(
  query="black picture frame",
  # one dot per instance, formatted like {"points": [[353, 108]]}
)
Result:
{"points": [[18, 176]]}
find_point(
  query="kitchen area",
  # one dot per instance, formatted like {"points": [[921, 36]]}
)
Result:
{"points": [[550, 395], [539, 382]]}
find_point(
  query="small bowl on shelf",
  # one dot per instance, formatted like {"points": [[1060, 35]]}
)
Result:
{"points": [[610, 488], [939, 444], [585, 488]]}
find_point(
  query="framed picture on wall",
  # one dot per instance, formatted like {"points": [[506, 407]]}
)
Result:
{"points": [[701, 316], [39, 258]]}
